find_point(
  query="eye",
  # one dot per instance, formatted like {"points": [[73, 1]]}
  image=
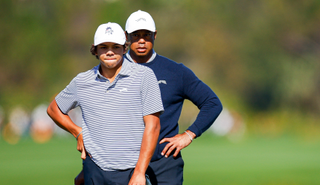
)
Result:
{"points": [[135, 35], [147, 35]]}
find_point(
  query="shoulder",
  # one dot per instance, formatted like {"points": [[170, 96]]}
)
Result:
{"points": [[165, 60], [138, 68], [170, 64], [87, 75]]}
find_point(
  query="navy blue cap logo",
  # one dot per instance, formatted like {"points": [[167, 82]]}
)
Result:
{"points": [[109, 31]]}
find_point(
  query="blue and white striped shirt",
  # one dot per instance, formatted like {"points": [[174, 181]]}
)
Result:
{"points": [[113, 113]]}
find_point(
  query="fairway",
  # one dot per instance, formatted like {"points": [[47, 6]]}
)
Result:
{"points": [[263, 161], [54, 163], [209, 160]]}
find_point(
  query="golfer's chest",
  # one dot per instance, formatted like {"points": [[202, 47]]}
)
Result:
{"points": [[110, 93]]}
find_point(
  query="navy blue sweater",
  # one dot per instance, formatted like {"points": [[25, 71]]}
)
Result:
{"points": [[177, 83]]}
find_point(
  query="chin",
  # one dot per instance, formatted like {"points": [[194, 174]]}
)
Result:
{"points": [[141, 54]]}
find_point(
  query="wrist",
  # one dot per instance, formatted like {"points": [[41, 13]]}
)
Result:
{"points": [[140, 169], [190, 134], [78, 135], [138, 173]]}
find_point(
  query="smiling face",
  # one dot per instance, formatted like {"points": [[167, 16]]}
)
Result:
{"points": [[142, 42], [110, 55]]}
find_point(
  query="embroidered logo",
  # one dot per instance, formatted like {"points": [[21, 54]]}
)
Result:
{"points": [[162, 82], [123, 90], [141, 19], [109, 31]]}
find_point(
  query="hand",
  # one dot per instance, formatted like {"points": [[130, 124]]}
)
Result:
{"points": [[178, 142], [79, 180], [80, 147], [139, 179]]}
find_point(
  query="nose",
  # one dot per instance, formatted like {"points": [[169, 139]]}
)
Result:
{"points": [[141, 40], [109, 52]]}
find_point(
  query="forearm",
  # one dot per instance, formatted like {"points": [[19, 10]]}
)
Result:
{"points": [[149, 142], [62, 120], [208, 113]]}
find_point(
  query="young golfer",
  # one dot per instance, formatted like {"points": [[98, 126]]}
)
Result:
{"points": [[121, 105]]}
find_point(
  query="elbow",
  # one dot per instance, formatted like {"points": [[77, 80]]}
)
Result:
{"points": [[49, 111], [217, 105], [220, 107]]}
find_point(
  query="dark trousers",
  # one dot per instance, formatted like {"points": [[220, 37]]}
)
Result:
{"points": [[166, 171], [94, 175]]}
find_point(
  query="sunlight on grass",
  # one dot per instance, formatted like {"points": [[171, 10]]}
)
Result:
{"points": [[285, 160]]}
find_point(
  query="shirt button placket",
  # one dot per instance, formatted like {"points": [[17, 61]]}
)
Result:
{"points": [[108, 86]]}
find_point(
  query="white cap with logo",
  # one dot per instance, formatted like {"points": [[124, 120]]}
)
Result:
{"points": [[140, 20], [109, 32]]}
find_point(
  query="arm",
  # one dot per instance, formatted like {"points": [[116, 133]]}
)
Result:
{"points": [[207, 102], [148, 145], [64, 121]]}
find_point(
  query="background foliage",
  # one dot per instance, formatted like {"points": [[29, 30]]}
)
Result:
{"points": [[260, 57]]}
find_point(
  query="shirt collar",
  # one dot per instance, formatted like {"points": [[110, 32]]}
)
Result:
{"points": [[126, 68]]}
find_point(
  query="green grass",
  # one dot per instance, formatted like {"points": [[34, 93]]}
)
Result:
{"points": [[208, 160], [277, 161], [52, 163]]}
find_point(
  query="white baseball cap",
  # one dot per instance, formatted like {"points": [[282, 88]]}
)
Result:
{"points": [[109, 32], [140, 20]]}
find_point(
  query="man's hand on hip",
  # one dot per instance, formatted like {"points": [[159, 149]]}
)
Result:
{"points": [[177, 143]]}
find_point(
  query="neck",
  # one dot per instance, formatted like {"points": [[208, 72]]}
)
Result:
{"points": [[110, 73]]}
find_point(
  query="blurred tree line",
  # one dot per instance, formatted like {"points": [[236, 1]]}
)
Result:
{"points": [[261, 54]]}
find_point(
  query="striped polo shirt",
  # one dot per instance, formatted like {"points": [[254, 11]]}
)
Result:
{"points": [[112, 113]]}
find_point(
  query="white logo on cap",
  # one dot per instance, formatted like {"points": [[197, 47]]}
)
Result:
{"points": [[141, 19], [109, 31]]}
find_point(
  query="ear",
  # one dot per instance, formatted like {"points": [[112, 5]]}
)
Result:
{"points": [[93, 50], [127, 35], [155, 35], [126, 45]]}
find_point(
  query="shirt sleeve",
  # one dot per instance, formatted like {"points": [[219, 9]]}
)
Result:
{"points": [[204, 98], [151, 96], [67, 98]]}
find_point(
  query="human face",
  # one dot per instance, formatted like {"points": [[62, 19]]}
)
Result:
{"points": [[110, 55], [142, 42]]}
